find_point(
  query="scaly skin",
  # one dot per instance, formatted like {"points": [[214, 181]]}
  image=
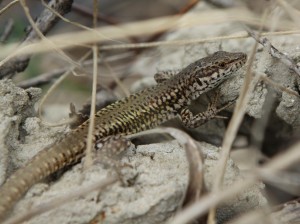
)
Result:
{"points": [[138, 112]]}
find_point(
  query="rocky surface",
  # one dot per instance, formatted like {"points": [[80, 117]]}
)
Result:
{"points": [[160, 173]]}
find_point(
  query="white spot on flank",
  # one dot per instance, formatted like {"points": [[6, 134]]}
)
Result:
{"points": [[177, 106]]}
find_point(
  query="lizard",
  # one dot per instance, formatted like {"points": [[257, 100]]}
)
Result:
{"points": [[139, 111]]}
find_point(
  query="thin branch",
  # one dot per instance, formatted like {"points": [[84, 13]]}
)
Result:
{"points": [[291, 11], [90, 139], [264, 77], [7, 30], [275, 52], [116, 79], [8, 6], [286, 159], [195, 159], [77, 24], [44, 23], [234, 124], [43, 99], [47, 77], [41, 35]]}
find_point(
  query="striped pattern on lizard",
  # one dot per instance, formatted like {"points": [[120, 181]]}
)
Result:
{"points": [[140, 111]]}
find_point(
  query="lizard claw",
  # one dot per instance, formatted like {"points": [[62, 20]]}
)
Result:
{"points": [[220, 117], [225, 106]]}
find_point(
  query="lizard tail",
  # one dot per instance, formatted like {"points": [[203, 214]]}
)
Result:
{"points": [[67, 151]]}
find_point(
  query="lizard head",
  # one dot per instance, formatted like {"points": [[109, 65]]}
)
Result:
{"points": [[210, 71], [219, 66]]}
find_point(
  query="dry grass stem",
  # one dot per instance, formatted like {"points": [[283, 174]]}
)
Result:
{"points": [[75, 23], [8, 6], [116, 79], [12, 63], [212, 199], [7, 30], [256, 216], [196, 165], [133, 29], [234, 124], [194, 157], [276, 53], [91, 137], [277, 86], [287, 181], [46, 40], [192, 41], [47, 77], [55, 84], [291, 11]]}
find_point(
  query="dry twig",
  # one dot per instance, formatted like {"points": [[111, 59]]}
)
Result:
{"points": [[44, 23], [7, 30], [275, 52], [91, 137], [194, 157]]}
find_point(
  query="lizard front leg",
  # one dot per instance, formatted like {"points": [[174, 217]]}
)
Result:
{"points": [[193, 121]]}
